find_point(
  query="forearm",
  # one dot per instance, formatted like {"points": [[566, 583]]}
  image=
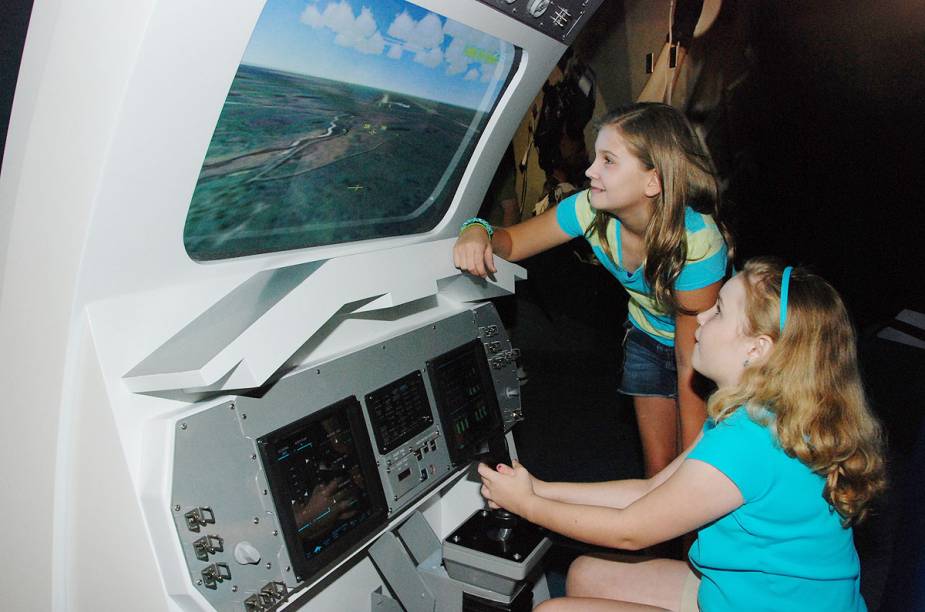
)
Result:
{"points": [[691, 404], [692, 407], [501, 244], [592, 524], [612, 494], [525, 239]]}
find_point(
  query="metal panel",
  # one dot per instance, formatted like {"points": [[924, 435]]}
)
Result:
{"points": [[381, 603], [561, 20], [218, 473], [502, 359], [401, 574], [419, 538]]}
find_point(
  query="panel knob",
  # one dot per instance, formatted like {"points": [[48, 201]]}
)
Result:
{"points": [[537, 7], [246, 554]]}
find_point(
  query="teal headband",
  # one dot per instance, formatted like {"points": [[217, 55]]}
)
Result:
{"points": [[784, 292]]}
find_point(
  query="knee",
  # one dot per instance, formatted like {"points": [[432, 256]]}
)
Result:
{"points": [[550, 605], [579, 582]]}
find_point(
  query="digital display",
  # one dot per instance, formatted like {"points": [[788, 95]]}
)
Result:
{"points": [[322, 476], [399, 411], [466, 401], [346, 120]]}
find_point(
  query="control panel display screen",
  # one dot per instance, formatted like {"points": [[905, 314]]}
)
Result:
{"points": [[399, 411], [322, 475], [465, 398]]}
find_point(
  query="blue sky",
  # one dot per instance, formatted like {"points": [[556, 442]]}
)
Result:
{"points": [[386, 44]]}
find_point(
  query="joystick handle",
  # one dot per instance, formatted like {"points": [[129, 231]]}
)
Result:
{"points": [[493, 451]]}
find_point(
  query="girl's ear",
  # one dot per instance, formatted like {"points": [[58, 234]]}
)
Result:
{"points": [[653, 185], [760, 348]]}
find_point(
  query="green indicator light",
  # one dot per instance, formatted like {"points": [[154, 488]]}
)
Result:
{"points": [[481, 55]]}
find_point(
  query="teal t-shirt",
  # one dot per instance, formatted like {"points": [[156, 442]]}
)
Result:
{"points": [[784, 548], [705, 265]]}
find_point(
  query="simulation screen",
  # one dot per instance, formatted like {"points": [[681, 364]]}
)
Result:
{"points": [[327, 494], [465, 397], [399, 411], [346, 120]]}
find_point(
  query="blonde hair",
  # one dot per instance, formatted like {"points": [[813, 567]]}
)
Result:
{"points": [[811, 385], [660, 137]]}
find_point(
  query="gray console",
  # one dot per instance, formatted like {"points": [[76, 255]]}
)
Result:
{"points": [[269, 493]]}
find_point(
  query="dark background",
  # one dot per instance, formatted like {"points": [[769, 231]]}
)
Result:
{"points": [[835, 120]]}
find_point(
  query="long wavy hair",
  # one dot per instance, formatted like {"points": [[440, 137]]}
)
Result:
{"points": [[811, 384], [663, 140]]}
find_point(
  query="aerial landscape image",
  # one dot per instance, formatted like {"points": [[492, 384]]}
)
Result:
{"points": [[343, 123]]}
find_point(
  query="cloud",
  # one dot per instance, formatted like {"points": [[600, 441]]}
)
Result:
{"points": [[455, 57], [430, 58], [470, 54], [402, 27], [372, 45], [365, 23], [429, 31], [339, 17], [358, 32], [424, 34], [310, 16]]}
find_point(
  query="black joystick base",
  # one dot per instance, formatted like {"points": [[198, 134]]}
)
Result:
{"points": [[500, 534], [501, 526], [495, 551]]}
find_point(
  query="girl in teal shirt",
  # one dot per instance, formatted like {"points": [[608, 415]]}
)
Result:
{"points": [[787, 462], [651, 216]]}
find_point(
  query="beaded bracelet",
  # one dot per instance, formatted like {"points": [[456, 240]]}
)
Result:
{"points": [[477, 221]]}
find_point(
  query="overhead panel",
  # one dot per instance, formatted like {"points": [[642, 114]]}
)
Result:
{"points": [[559, 19]]}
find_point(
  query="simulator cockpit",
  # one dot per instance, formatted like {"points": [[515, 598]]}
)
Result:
{"points": [[260, 364]]}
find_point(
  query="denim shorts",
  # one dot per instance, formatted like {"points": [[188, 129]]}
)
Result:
{"points": [[649, 368]]}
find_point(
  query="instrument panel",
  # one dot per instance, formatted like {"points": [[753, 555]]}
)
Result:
{"points": [[559, 19], [324, 490], [270, 493]]}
